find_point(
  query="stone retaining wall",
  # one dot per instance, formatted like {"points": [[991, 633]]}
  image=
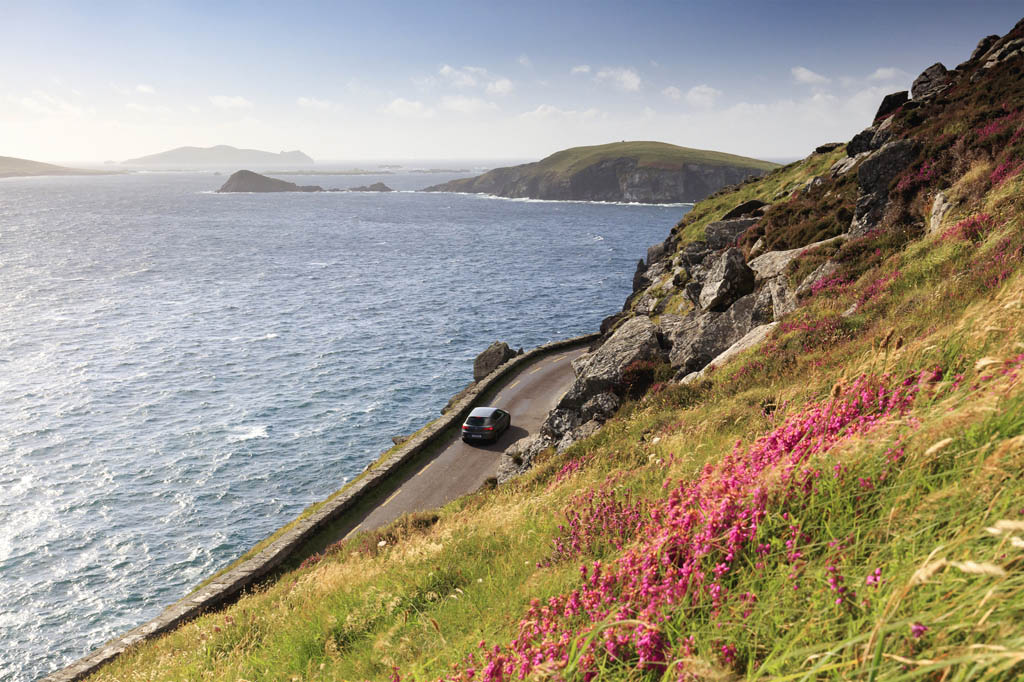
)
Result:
{"points": [[231, 584]]}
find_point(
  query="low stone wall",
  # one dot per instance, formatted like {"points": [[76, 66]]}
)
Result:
{"points": [[230, 585]]}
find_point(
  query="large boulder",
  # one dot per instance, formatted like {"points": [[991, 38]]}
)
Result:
{"points": [[639, 281], [698, 338], [600, 371], [874, 175], [891, 103], [940, 207], [601, 407], [861, 142], [749, 340], [728, 280], [694, 253], [931, 81], [520, 455], [559, 422], [984, 45], [576, 435], [774, 263], [724, 233], [496, 355]]}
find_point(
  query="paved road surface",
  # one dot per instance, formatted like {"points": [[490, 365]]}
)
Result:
{"points": [[460, 468]]}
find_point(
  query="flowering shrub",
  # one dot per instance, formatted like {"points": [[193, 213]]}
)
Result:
{"points": [[969, 229], [688, 545], [1005, 171]]}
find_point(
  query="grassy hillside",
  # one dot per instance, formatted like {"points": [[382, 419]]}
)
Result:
{"points": [[844, 501], [648, 154], [11, 167]]}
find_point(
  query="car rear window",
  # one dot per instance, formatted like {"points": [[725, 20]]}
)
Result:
{"points": [[476, 421]]}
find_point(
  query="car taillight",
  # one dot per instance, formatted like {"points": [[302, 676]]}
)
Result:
{"points": [[488, 428], [465, 428]]}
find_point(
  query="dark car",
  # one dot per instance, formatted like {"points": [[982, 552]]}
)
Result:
{"points": [[485, 424]]}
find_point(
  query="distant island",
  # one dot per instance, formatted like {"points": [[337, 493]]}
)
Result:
{"points": [[11, 167], [221, 155], [635, 172], [248, 181]]}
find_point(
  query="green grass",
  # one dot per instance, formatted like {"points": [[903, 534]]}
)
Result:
{"points": [[656, 154]]}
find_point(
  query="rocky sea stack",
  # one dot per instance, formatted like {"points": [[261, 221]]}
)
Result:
{"points": [[633, 172], [247, 181]]}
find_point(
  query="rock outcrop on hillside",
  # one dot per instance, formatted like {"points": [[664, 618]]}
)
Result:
{"points": [[247, 181], [735, 284]]}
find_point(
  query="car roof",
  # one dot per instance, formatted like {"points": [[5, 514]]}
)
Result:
{"points": [[483, 411]]}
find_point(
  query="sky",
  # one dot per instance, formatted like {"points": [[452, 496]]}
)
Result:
{"points": [[98, 80]]}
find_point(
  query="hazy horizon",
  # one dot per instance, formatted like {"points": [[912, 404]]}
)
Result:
{"points": [[460, 81]]}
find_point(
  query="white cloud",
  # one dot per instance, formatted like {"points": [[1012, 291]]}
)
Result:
{"points": [[146, 109], [465, 77], [230, 102], [808, 77], [548, 111], [672, 92], [702, 96], [45, 104], [502, 86], [582, 68], [466, 105], [408, 108], [888, 73], [145, 89], [525, 61], [622, 78], [314, 103]]}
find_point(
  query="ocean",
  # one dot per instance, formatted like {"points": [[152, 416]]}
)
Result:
{"points": [[183, 372]]}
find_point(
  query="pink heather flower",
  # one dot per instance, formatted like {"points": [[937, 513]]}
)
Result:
{"points": [[917, 630], [875, 578]]}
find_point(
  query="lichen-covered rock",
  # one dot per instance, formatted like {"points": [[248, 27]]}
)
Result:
{"points": [[697, 339], [783, 298], [559, 422], [724, 233], [520, 455], [601, 407], [861, 142], [600, 371], [874, 175], [729, 279], [940, 207], [496, 355], [694, 253], [576, 435]]}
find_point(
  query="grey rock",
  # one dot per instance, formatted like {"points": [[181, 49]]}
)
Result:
{"points": [[698, 338], [692, 291], [746, 208], [601, 407], [984, 45], [814, 183], [774, 263], [600, 371], [375, 187], [1004, 52], [932, 80], [883, 134], [752, 338], [496, 355], [639, 281], [247, 181], [758, 248], [827, 147], [520, 455], [398, 440], [874, 175], [655, 253], [891, 103], [646, 304], [656, 270], [940, 207], [559, 422], [724, 233], [729, 279], [694, 253], [861, 142], [783, 298], [576, 435], [823, 271]]}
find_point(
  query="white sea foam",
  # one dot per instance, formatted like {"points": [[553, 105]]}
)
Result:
{"points": [[240, 434]]}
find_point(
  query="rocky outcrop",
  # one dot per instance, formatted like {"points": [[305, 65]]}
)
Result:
{"points": [[496, 355], [754, 207], [932, 80], [695, 340], [874, 176], [724, 233], [891, 103], [749, 340], [728, 279], [375, 187], [247, 181], [940, 207]]}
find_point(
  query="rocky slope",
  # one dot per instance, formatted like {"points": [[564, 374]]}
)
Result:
{"points": [[220, 155], [639, 172], [247, 181]]}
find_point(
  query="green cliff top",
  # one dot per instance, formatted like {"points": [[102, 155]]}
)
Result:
{"points": [[646, 153]]}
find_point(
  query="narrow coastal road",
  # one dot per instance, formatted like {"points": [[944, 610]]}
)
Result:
{"points": [[459, 468]]}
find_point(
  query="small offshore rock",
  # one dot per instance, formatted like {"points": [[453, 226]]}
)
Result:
{"points": [[496, 355], [375, 187]]}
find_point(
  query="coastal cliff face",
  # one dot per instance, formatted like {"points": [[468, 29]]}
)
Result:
{"points": [[616, 178]]}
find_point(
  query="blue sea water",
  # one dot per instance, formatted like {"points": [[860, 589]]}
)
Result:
{"points": [[182, 372]]}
